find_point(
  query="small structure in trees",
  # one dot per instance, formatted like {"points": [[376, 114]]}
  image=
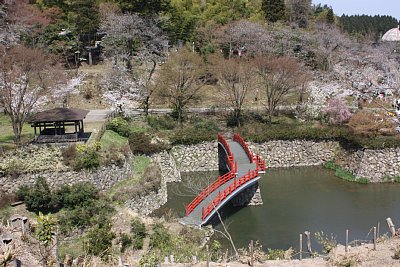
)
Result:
{"points": [[59, 125], [392, 35]]}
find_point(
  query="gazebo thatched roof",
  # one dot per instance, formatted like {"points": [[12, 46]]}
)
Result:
{"points": [[59, 115]]}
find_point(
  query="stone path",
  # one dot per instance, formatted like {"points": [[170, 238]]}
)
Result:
{"points": [[97, 115]]}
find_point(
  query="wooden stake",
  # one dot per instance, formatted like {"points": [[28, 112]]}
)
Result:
{"points": [[391, 226], [308, 234], [208, 256], [347, 240], [374, 238], [377, 235], [251, 253], [301, 247]]}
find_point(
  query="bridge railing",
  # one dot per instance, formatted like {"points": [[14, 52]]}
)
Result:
{"points": [[217, 183], [227, 191], [260, 162]]}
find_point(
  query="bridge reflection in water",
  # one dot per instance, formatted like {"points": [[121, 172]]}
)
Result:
{"points": [[243, 170]]}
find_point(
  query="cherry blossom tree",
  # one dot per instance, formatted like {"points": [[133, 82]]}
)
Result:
{"points": [[337, 111], [235, 78], [26, 80], [179, 80], [278, 77]]}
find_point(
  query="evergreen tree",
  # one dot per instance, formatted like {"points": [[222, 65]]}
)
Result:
{"points": [[330, 17], [274, 10]]}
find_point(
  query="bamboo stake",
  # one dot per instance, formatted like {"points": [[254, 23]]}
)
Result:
{"points": [[301, 247], [208, 256], [378, 234], [251, 253], [374, 238], [391, 226], [347, 240], [308, 234]]}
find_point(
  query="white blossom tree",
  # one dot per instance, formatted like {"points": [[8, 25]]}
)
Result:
{"points": [[26, 80], [131, 37]]}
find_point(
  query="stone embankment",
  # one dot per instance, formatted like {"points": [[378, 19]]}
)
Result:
{"points": [[103, 178], [153, 201], [283, 154], [376, 165], [195, 158]]}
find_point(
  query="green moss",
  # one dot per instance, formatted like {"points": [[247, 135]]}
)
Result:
{"points": [[111, 139], [72, 247], [140, 163], [343, 174]]}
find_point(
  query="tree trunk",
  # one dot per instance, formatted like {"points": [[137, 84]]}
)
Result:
{"points": [[17, 128], [146, 105]]}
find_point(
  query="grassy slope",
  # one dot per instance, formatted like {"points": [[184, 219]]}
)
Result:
{"points": [[7, 134], [140, 164]]}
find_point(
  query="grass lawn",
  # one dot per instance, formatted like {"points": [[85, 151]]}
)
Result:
{"points": [[7, 134], [140, 164], [72, 247], [111, 139]]}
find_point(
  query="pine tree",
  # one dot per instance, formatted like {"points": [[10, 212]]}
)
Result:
{"points": [[330, 17], [274, 10]]}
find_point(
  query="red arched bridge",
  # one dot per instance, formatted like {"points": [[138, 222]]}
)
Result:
{"points": [[243, 170]]}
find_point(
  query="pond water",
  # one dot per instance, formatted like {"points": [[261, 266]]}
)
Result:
{"points": [[300, 199]]}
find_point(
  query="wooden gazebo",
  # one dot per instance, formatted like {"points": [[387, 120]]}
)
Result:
{"points": [[59, 125]]}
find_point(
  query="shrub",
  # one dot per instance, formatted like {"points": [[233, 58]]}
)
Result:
{"points": [[78, 194], [99, 240], [195, 134], [369, 124], [69, 155], [125, 240], [160, 239], [37, 198], [6, 199], [93, 213], [327, 242], [275, 254], [337, 112], [87, 157], [140, 143], [161, 123], [138, 230], [120, 126]]}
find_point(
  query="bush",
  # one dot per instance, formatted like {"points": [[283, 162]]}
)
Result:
{"points": [[195, 134], [120, 126], [99, 240], [87, 157], [161, 123], [125, 240], [369, 124], [343, 174], [69, 155], [95, 212], [78, 194], [150, 181], [138, 230], [6, 199], [38, 197], [160, 239], [140, 143]]}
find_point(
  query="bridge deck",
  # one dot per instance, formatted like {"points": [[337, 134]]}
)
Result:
{"points": [[244, 165]]}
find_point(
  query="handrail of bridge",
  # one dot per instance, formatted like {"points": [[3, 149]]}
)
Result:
{"points": [[260, 162], [217, 183], [240, 140], [209, 189], [222, 140], [252, 174]]}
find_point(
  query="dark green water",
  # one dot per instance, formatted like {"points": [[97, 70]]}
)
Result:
{"points": [[300, 199]]}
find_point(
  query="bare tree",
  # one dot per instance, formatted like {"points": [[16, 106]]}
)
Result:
{"points": [[278, 76], [179, 80], [235, 78], [129, 36], [26, 78]]}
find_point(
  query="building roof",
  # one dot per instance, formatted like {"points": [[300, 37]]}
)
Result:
{"points": [[392, 35], [59, 114]]}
